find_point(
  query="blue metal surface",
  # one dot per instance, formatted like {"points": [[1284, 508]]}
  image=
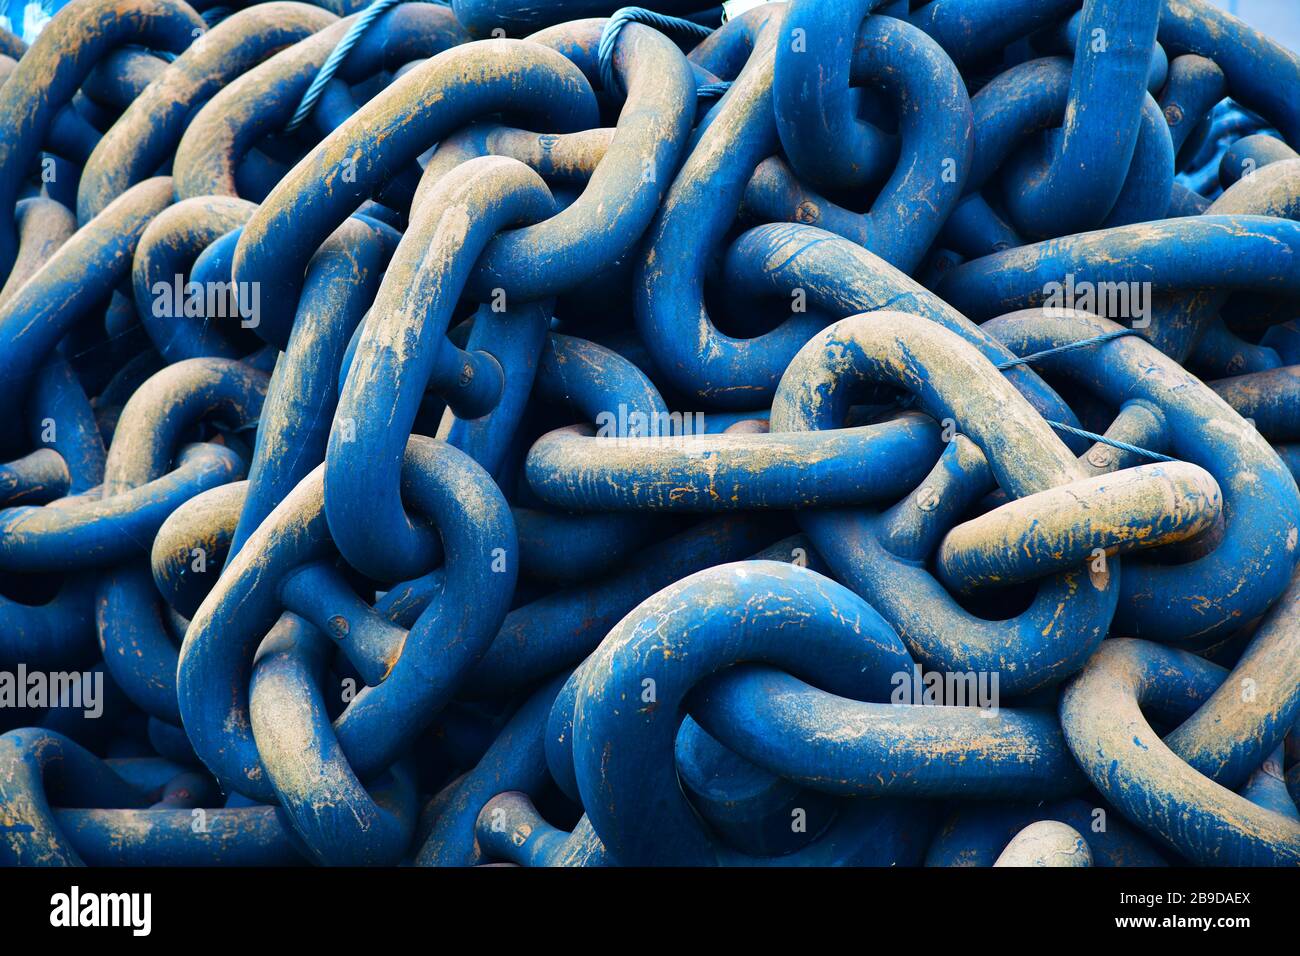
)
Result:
{"points": [[856, 433]]}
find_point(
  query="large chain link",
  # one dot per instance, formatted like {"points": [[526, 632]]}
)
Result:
{"points": [[857, 433]]}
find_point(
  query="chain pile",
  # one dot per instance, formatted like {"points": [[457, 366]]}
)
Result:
{"points": [[860, 433]]}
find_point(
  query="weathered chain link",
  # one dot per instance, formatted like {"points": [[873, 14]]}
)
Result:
{"points": [[861, 432]]}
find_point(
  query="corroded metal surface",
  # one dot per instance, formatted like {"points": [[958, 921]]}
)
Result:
{"points": [[856, 433]]}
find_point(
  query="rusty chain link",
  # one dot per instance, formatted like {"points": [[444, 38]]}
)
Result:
{"points": [[843, 432]]}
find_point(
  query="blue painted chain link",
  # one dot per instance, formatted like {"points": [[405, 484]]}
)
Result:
{"points": [[681, 453]]}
